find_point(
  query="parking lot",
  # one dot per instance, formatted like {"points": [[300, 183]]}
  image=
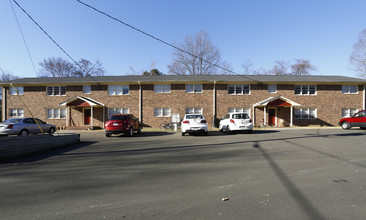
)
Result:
{"points": [[270, 174]]}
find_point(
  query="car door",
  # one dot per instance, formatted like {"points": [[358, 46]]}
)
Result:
{"points": [[30, 125], [359, 120]]}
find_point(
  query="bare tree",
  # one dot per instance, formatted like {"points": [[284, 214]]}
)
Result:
{"points": [[58, 67], [86, 68], [302, 67], [199, 57], [358, 56], [280, 68], [6, 76]]}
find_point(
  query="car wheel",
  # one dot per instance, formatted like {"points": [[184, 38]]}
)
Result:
{"points": [[228, 130], [363, 128], [221, 129], [108, 134], [23, 132], [130, 132], [183, 133], [51, 131], [345, 125]]}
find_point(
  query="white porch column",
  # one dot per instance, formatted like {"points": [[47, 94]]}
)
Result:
{"points": [[67, 116], [140, 101], [253, 118], [265, 116], [91, 119], [214, 104], [291, 116]]}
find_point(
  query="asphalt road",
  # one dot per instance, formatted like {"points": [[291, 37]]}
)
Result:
{"points": [[270, 174]]}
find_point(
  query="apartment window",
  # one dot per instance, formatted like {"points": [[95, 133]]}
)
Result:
{"points": [[56, 113], [87, 89], [162, 112], [239, 110], [305, 90], [194, 111], [16, 113], [239, 89], [117, 111], [305, 113], [194, 88], [56, 90], [347, 112], [118, 89], [349, 89], [272, 88], [162, 88], [15, 90]]}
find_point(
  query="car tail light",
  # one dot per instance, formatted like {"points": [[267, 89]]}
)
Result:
{"points": [[232, 121], [10, 126], [185, 122], [203, 121]]}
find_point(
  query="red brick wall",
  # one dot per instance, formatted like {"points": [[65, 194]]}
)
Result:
{"points": [[329, 102]]}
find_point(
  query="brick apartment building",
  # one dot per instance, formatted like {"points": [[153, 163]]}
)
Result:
{"points": [[282, 101]]}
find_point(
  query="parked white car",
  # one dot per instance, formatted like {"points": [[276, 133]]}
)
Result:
{"points": [[236, 122], [194, 123]]}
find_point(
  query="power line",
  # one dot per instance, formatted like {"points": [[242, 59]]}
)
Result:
{"points": [[160, 40], [87, 74]]}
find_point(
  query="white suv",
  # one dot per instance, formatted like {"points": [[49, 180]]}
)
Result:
{"points": [[236, 122], [194, 123]]}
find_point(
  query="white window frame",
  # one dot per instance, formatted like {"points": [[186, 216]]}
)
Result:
{"points": [[346, 89], [87, 89], [194, 111], [273, 89], [56, 113], [194, 88], [118, 90], [117, 111], [15, 90], [161, 112], [305, 112], [162, 88], [239, 87], [307, 88], [61, 90], [239, 110], [348, 112], [18, 113]]}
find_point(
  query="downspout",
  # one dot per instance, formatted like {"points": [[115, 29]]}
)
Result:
{"points": [[4, 113], [364, 97], [214, 105], [140, 102]]}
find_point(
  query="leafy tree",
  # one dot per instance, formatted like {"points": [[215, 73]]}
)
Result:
{"points": [[358, 56], [153, 72], [58, 67], [198, 56]]}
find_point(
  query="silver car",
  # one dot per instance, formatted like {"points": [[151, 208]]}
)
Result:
{"points": [[25, 126]]}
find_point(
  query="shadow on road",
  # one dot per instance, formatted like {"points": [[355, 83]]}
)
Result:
{"points": [[32, 157]]}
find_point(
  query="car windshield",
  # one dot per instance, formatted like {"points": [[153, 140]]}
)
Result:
{"points": [[12, 121], [194, 116], [240, 116], [118, 117]]}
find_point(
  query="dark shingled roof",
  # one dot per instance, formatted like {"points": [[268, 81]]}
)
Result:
{"points": [[189, 78]]}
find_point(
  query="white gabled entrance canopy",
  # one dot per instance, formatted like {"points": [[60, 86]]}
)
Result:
{"points": [[83, 102], [278, 101]]}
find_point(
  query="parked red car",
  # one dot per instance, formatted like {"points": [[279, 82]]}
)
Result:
{"points": [[357, 120], [122, 124]]}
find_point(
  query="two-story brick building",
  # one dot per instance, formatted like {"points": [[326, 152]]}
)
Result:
{"points": [[270, 100]]}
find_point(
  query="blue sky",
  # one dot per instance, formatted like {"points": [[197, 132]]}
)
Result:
{"points": [[261, 31]]}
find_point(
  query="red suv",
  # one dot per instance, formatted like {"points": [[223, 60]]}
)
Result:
{"points": [[122, 124], [357, 120]]}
